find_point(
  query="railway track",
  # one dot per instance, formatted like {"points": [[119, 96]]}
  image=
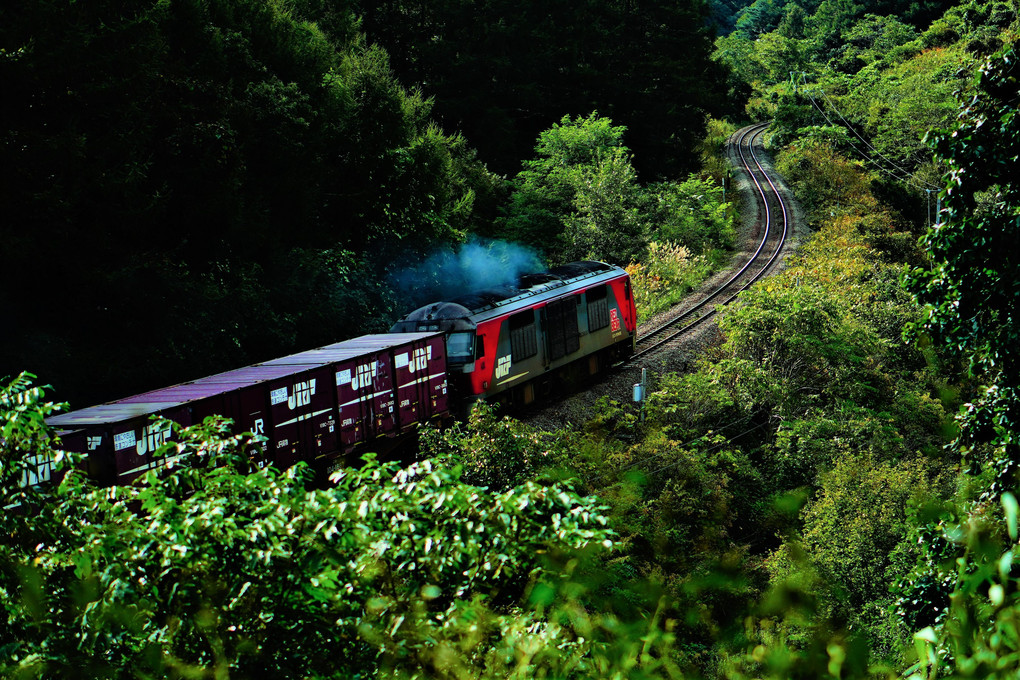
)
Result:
{"points": [[773, 226]]}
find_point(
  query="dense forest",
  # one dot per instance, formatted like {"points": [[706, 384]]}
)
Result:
{"points": [[189, 186]]}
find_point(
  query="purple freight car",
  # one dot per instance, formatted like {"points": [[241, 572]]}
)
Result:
{"points": [[317, 406]]}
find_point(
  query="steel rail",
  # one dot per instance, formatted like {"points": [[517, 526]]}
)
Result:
{"points": [[750, 135]]}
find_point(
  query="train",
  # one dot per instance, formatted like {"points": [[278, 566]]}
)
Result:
{"points": [[509, 345]]}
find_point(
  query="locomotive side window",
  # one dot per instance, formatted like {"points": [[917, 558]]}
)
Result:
{"points": [[523, 340], [598, 308]]}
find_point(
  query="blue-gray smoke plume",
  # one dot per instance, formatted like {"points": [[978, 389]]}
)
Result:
{"points": [[472, 266]]}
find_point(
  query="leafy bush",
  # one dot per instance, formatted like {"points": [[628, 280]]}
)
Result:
{"points": [[691, 213], [665, 277], [856, 534], [580, 199], [494, 452]]}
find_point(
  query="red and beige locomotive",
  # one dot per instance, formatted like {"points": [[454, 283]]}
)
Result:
{"points": [[327, 404], [509, 344]]}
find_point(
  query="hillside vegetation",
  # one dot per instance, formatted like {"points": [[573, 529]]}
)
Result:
{"points": [[829, 494]]}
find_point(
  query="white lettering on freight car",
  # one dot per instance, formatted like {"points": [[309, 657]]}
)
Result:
{"points": [[37, 470], [124, 440], [153, 436], [420, 359], [303, 393], [366, 374]]}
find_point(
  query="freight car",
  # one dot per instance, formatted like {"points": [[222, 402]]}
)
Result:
{"points": [[514, 343], [315, 406], [507, 345]]}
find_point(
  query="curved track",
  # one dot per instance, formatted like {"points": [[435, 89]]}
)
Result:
{"points": [[774, 226]]}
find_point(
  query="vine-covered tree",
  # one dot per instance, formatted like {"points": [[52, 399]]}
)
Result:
{"points": [[973, 289]]}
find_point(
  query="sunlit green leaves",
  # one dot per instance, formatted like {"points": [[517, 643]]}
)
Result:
{"points": [[212, 565]]}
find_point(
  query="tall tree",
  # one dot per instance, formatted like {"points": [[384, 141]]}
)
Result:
{"points": [[579, 198]]}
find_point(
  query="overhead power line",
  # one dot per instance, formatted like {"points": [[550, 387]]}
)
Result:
{"points": [[906, 175]]}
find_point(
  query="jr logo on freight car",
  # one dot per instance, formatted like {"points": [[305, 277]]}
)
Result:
{"points": [[366, 374], [152, 438], [302, 396], [420, 359]]}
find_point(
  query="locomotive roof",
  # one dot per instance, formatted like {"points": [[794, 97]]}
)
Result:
{"points": [[164, 398], [494, 301]]}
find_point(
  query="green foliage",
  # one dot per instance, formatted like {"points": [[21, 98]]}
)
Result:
{"points": [[824, 179], [970, 291], [797, 348], [856, 534], [876, 71], [667, 274], [873, 38], [210, 568], [579, 199], [713, 149], [900, 100], [799, 451], [692, 213], [24, 437], [494, 452], [605, 223], [964, 587]]}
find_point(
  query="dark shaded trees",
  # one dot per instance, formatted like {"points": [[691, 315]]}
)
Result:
{"points": [[503, 71]]}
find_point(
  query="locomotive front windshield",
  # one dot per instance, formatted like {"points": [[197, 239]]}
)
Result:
{"points": [[460, 347]]}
